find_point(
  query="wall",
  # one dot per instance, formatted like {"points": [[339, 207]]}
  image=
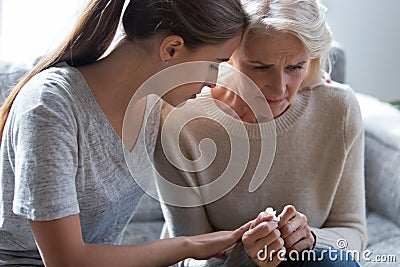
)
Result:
{"points": [[31, 28], [369, 31]]}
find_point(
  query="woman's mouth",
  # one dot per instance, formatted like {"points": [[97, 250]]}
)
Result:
{"points": [[275, 102]]}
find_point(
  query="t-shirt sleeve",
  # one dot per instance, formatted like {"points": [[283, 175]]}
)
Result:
{"points": [[44, 140]]}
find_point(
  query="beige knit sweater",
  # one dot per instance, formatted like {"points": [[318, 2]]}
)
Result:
{"points": [[317, 167]]}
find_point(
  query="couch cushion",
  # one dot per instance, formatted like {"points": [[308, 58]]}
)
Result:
{"points": [[149, 209], [385, 253], [375, 224], [139, 232], [383, 241], [382, 156]]}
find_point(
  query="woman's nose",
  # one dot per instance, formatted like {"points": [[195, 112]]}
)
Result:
{"points": [[276, 84]]}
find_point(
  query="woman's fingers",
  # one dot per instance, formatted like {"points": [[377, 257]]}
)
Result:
{"points": [[269, 240], [263, 242], [300, 240], [238, 233], [209, 245], [262, 217], [294, 237], [270, 255], [272, 247], [217, 243], [326, 76], [287, 214], [293, 225], [306, 243], [295, 230], [260, 231]]}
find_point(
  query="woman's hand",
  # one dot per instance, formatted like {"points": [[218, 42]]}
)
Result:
{"points": [[295, 230], [60, 243], [215, 244], [263, 242]]}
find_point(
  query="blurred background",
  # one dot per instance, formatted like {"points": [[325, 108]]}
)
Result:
{"points": [[370, 33], [29, 28], [367, 29]]}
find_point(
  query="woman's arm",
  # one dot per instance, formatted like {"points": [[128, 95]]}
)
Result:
{"points": [[61, 244], [182, 221], [347, 218]]}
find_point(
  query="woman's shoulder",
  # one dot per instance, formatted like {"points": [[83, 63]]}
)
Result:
{"points": [[60, 79], [336, 94], [56, 87], [334, 89], [339, 102]]}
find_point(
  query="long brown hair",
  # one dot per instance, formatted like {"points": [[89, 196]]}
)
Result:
{"points": [[199, 22]]}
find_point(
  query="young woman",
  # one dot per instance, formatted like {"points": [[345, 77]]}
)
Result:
{"points": [[315, 180], [66, 194]]}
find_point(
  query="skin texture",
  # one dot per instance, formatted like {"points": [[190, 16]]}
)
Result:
{"points": [[113, 81], [294, 230], [278, 69], [291, 233], [60, 244], [208, 53], [263, 234], [111, 78]]}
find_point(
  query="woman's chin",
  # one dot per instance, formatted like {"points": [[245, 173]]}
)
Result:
{"points": [[279, 111]]}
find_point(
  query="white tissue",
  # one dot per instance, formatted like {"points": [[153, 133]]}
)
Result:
{"points": [[271, 211]]}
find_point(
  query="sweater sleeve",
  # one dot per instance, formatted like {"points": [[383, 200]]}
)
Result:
{"points": [[345, 226], [188, 221], [180, 221]]}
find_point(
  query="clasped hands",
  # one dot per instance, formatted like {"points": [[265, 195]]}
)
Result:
{"points": [[267, 241]]}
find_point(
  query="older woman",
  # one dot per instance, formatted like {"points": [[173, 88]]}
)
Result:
{"points": [[315, 178]]}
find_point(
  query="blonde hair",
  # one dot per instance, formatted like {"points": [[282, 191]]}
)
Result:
{"points": [[305, 19]]}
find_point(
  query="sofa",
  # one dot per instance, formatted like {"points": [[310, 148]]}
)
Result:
{"points": [[382, 173], [382, 179]]}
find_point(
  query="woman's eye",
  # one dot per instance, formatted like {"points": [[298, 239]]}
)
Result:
{"points": [[295, 68], [214, 67], [261, 67], [223, 60]]}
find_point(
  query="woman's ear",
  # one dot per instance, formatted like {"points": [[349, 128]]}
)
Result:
{"points": [[171, 46]]}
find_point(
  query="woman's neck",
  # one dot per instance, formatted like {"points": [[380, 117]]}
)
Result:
{"points": [[232, 104], [115, 79]]}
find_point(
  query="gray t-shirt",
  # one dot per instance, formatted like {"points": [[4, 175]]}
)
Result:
{"points": [[60, 156]]}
